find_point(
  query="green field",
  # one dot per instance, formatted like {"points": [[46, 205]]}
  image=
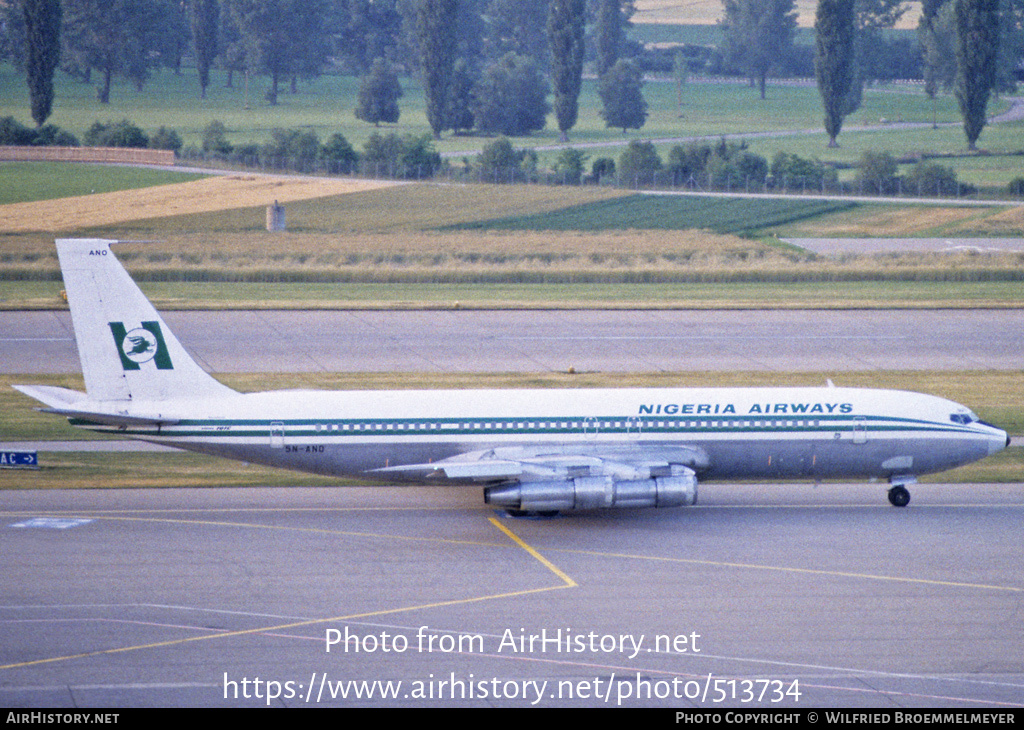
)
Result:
{"points": [[533, 246], [325, 106], [722, 215], [479, 245], [880, 294], [22, 182], [671, 33]]}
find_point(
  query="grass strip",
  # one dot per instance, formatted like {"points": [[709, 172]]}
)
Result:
{"points": [[23, 182], [70, 470], [64, 470], [878, 294]]}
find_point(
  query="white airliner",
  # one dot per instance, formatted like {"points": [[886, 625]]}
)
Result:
{"points": [[532, 450]]}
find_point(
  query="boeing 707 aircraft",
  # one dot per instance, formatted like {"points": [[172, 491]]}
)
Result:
{"points": [[532, 450]]}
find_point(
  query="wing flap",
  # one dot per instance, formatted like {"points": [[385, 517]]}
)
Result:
{"points": [[564, 461], [473, 470]]}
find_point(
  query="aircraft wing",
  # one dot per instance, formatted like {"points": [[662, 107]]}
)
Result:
{"points": [[556, 462]]}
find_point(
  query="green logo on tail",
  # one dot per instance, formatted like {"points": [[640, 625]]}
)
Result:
{"points": [[141, 345]]}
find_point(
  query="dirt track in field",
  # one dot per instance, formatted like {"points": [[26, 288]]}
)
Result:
{"points": [[200, 196]]}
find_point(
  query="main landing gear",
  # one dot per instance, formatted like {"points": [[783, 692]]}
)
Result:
{"points": [[536, 513]]}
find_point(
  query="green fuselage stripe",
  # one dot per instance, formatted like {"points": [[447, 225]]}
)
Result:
{"points": [[306, 427]]}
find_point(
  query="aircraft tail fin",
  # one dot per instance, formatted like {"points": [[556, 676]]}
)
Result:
{"points": [[127, 352]]}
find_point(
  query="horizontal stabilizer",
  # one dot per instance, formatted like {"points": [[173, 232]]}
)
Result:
{"points": [[53, 396], [111, 419], [74, 404]]}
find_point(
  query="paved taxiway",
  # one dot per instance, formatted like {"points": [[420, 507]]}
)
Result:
{"points": [[538, 341], [839, 246], [168, 597], [172, 597]]}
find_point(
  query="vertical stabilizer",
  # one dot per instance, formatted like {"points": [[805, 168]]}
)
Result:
{"points": [[127, 351]]}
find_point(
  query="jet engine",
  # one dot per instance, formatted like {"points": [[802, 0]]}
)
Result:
{"points": [[595, 493]]}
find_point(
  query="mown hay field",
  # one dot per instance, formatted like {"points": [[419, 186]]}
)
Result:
{"points": [[532, 245], [216, 193], [709, 12]]}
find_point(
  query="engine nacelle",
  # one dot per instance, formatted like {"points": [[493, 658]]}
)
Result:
{"points": [[596, 493]]}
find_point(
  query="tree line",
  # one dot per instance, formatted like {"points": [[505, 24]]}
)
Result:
{"points": [[493, 65], [485, 64], [969, 47]]}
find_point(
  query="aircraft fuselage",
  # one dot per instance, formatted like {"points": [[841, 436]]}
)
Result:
{"points": [[534, 450], [736, 433]]}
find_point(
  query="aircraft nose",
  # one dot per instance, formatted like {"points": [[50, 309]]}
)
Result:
{"points": [[998, 442]]}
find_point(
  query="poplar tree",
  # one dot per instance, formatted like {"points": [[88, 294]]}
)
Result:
{"points": [[459, 111], [205, 21], [42, 47], [565, 37], [1011, 45], [834, 60], [609, 34], [934, 54], [977, 51], [436, 31]]}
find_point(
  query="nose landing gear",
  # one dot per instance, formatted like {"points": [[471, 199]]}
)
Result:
{"points": [[899, 496]]}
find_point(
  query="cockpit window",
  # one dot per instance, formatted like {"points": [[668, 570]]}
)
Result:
{"points": [[964, 418]]}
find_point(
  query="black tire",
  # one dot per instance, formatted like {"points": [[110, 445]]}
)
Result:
{"points": [[544, 513], [899, 497]]}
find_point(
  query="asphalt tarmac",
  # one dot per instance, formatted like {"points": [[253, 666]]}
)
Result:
{"points": [[790, 596], [839, 246], [761, 596], [546, 341]]}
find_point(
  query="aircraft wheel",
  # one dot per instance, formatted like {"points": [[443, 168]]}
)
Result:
{"points": [[899, 496], [545, 513]]}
